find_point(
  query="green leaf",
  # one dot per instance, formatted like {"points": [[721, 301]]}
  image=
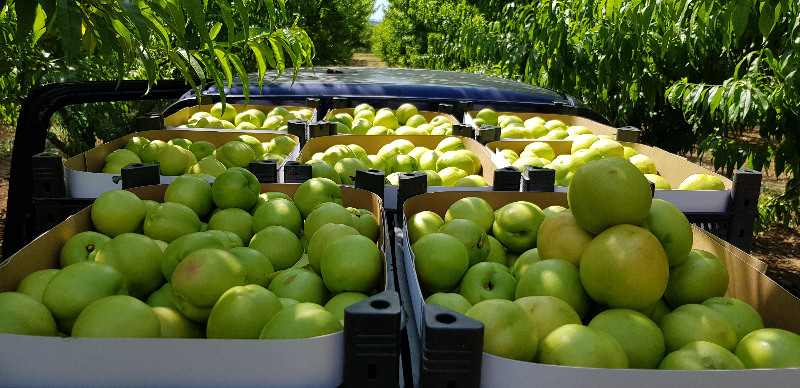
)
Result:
{"points": [[282, 3], [226, 68], [195, 65], [280, 64], [210, 68], [227, 16], [196, 12], [69, 26], [161, 33], [259, 51], [237, 63], [179, 21], [135, 14], [26, 16], [39, 24], [744, 103], [714, 96], [122, 31], [149, 68], [49, 6], [740, 16], [770, 12], [273, 19], [215, 30], [244, 15], [177, 60], [780, 161]]}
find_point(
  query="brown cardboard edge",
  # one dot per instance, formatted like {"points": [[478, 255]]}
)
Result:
{"points": [[44, 251], [94, 160], [373, 143], [778, 307]]}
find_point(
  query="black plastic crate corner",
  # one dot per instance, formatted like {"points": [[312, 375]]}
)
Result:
{"points": [[372, 341]]}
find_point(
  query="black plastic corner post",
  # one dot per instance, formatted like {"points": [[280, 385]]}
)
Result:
{"points": [[538, 179], [34, 119], [487, 133], [628, 134], [312, 103], [48, 176], [463, 108], [339, 102], [333, 128], [446, 108], [266, 171], [298, 128], [452, 349], [508, 178], [410, 184], [140, 174], [464, 130], [320, 128], [371, 180], [372, 330], [149, 122], [296, 172], [744, 206]]}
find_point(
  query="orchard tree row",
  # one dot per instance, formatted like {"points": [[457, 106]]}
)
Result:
{"points": [[693, 75], [47, 41]]}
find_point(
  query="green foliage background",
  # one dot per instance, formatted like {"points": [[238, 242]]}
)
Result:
{"points": [[691, 74], [335, 26]]}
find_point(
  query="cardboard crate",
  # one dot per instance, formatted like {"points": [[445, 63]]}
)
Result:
{"points": [[748, 282], [670, 166], [373, 143], [101, 362], [85, 179], [182, 116], [569, 120]]}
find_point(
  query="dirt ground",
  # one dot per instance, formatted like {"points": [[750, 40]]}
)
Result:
{"points": [[778, 247]]}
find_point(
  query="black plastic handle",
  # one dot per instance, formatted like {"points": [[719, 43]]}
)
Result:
{"points": [[409, 185], [538, 179], [140, 174], [296, 172], [371, 180], [372, 330], [452, 349], [508, 178], [266, 171]]}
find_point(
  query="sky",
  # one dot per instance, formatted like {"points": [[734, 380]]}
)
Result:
{"points": [[379, 6]]}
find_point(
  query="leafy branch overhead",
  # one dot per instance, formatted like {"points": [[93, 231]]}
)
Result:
{"points": [[147, 35]]}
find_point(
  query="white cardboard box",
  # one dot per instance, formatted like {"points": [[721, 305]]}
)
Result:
{"points": [[670, 166], [85, 179], [778, 308], [97, 362]]}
